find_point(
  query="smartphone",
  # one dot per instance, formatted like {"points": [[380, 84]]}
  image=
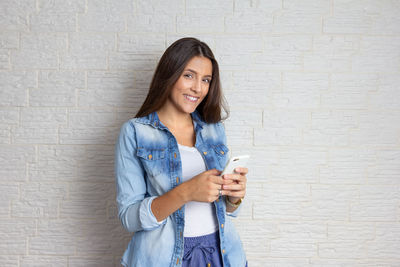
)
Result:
{"points": [[234, 162]]}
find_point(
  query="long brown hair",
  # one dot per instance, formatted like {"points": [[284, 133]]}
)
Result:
{"points": [[168, 71]]}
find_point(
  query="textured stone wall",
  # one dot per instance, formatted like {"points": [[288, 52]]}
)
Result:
{"points": [[313, 88]]}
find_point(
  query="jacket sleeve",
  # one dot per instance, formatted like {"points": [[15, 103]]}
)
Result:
{"points": [[134, 205]]}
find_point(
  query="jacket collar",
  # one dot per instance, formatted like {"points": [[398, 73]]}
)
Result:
{"points": [[153, 120]]}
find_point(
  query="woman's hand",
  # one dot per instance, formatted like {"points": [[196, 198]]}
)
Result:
{"points": [[235, 189], [205, 186]]}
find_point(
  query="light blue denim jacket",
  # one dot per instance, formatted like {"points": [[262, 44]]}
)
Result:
{"points": [[147, 165]]}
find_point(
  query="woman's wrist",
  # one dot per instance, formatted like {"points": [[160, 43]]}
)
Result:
{"points": [[235, 202]]}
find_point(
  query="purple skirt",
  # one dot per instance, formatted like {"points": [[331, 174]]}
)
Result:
{"points": [[202, 251]]}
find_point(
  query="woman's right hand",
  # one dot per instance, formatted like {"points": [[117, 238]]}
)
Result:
{"points": [[205, 186]]}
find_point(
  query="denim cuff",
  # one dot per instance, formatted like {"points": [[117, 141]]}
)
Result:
{"points": [[147, 218]]}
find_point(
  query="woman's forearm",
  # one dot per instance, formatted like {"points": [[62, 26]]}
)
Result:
{"points": [[166, 204]]}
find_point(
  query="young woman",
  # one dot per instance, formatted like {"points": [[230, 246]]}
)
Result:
{"points": [[168, 161]]}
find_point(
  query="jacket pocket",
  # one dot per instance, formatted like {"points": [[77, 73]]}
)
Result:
{"points": [[221, 152], [153, 159]]}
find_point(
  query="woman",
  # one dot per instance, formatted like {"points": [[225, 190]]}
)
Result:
{"points": [[167, 165]]}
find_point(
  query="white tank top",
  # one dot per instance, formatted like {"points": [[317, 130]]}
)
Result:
{"points": [[200, 218]]}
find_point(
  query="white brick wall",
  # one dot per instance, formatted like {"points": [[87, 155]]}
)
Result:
{"points": [[313, 88]]}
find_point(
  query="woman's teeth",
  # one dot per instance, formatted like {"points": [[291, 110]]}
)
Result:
{"points": [[191, 98]]}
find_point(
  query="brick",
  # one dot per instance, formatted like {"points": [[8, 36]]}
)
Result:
{"points": [[9, 40], [14, 14], [30, 59], [300, 81], [86, 261], [376, 128], [353, 88], [346, 166], [309, 6], [87, 42], [133, 62], [56, 163], [92, 135], [243, 137], [256, 21], [96, 117], [386, 170], [56, 88], [14, 86], [52, 245], [95, 60], [161, 7], [242, 117], [209, 7], [349, 249], [278, 136], [4, 59], [351, 231], [14, 159], [9, 115], [14, 233], [34, 135], [239, 44], [5, 134], [329, 203], [100, 22], [42, 260], [50, 20], [330, 128], [257, 234], [277, 210], [334, 262], [297, 166], [43, 117], [386, 94], [112, 89], [91, 191], [297, 21], [293, 248], [123, 97], [148, 23], [377, 203], [9, 192], [135, 43], [376, 54], [9, 260], [88, 209], [64, 5], [34, 208], [196, 24]]}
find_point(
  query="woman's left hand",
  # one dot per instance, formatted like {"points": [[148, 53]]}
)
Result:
{"points": [[235, 190]]}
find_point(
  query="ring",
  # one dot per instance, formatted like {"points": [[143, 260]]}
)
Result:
{"points": [[220, 192]]}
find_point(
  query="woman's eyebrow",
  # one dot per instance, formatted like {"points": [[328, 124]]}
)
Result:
{"points": [[196, 72]]}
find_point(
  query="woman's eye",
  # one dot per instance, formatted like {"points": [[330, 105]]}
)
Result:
{"points": [[207, 80], [188, 75]]}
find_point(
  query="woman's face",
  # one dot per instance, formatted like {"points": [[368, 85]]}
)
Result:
{"points": [[192, 86]]}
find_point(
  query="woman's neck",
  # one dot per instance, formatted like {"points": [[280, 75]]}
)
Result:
{"points": [[173, 119]]}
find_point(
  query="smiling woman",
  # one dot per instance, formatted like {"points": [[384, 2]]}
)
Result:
{"points": [[169, 188]]}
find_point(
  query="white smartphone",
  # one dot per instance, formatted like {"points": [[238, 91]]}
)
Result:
{"points": [[234, 162]]}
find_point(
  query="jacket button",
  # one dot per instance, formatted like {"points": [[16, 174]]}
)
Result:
{"points": [[205, 152], [222, 225], [223, 251], [150, 156], [222, 152], [177, 179], [177, 261], [175, 155]]}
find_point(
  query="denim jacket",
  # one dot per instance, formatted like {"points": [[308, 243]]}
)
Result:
{"points": [[147, 165]]}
